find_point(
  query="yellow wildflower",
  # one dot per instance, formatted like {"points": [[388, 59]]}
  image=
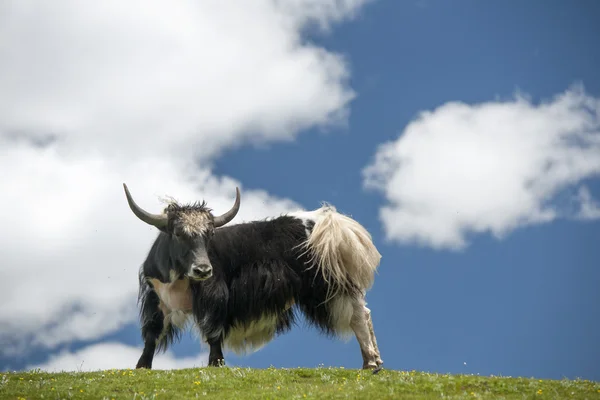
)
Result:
{"points": [[539, 391]]}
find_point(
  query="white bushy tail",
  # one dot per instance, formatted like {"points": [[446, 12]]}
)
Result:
{"points": [[342, 250]]}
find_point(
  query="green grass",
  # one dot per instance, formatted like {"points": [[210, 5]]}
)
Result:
{"points": [[295, 383]]}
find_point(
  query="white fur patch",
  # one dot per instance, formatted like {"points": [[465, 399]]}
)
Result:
{"points": [[306, 216], [178, 318], [175, 296], [195, 222], [252, 336], [172, 276], [340, 248], [341, 310], [175, 299]]}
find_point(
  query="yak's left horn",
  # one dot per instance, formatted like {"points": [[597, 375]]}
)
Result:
{"points": [[157, 220], [229, 215]]}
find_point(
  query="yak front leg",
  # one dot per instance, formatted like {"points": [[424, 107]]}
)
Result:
{"points": [[154, 328], [215, 357]]}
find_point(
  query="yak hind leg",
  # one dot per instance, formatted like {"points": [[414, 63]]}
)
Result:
{"points": [[362, 329], [378, 360]]}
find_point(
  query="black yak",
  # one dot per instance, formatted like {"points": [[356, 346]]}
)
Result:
{"points": [[242, 284]]}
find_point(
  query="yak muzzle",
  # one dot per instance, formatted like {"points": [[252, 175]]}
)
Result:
{"points": [[200, 272]]}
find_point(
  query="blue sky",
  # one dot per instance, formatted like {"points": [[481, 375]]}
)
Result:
{"points": [[504, 288]]}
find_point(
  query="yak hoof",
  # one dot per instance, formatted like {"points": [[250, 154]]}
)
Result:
{"points": [[143, 365], [370, 365], [220, 362], [376, 366]]}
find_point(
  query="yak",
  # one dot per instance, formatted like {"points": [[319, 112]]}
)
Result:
{"points": [[240, 285]]}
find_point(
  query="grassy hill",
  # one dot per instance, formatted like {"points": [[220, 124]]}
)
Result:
{"points": [[271, 383]]}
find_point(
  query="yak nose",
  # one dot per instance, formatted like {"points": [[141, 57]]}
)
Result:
{"points": [[201, 271]]}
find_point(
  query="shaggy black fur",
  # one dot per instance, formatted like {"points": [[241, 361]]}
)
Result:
{"points": [[258, 267]]}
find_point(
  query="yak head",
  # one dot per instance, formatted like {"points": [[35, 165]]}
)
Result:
{"points": [[189, 228]]}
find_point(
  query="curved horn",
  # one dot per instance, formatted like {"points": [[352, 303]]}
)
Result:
{"points": [[229, 215], [157, 220]]}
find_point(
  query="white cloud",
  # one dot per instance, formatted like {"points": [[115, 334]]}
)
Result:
{"points": [[114, 355], [493, 167], [589, 209], [320, 12], [151, 76], [96, 94]]}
